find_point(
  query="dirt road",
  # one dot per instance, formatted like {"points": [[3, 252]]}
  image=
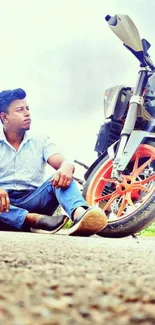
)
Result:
{"points": [[56, 279]]}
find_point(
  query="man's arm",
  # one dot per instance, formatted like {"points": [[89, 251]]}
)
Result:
{"points": [[64, 170]]}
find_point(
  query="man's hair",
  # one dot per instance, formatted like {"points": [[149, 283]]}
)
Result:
{"points": [[8, 96]]}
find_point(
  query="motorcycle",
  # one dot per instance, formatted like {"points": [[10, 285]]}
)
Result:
{"points": [[122, 179]]}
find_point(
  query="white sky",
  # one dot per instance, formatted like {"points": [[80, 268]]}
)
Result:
{"points": [[65, 56]]}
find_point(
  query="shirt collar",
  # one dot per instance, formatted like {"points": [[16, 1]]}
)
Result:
{"points": [[27, 136]]}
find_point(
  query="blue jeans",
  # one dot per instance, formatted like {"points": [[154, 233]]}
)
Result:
{"points": [[43, 200]]}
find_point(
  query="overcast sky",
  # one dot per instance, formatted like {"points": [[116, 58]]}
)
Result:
{"points": [[65, 56]]}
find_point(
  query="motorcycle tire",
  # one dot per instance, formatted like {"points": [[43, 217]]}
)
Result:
{"points": [[129, 205]]}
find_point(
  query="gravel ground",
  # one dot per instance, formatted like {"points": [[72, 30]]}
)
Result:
{"points": [[55, 279]]}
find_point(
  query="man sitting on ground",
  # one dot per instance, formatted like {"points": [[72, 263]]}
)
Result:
{"points": [[25, 200]]}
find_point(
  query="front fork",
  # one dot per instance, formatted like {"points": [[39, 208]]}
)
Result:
{"points": [[120, 160]]}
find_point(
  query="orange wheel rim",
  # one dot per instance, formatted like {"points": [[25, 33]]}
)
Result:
{"points": [[119, 200]]}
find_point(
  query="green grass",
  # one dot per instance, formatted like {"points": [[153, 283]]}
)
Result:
{"points": [[148, 231], [68, 224]]}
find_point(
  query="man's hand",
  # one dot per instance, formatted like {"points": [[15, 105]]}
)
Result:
{"points": [[4, 200], [63, 176]]}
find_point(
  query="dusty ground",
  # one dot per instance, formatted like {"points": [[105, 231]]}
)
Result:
{"points": [[56, 279]]}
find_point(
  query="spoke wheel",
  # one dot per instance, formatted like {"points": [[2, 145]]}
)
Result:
{"points": [[121, 200]]}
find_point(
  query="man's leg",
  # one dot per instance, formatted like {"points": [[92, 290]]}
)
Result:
{"points": [[46, 198], [86, 220], [15, 217], [19, 217]]}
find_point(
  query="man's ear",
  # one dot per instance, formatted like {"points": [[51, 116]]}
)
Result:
{"points": [[3, 117]]}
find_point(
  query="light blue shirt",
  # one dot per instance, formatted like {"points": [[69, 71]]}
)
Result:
{"points": [[25, 168]]}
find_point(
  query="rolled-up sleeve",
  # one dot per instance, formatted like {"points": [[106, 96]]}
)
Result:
{"points": [[49, 148]]}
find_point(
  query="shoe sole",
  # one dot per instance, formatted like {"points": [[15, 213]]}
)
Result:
{"points": [[92, 222], [41, 231]]}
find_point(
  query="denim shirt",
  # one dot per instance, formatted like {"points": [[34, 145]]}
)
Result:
{"points": [[24, 168]]}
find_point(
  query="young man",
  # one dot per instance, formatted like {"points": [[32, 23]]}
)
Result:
{"points": [[25, 201]]}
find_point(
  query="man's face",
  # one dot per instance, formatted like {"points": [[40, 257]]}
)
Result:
{"points": [[18, 116]]}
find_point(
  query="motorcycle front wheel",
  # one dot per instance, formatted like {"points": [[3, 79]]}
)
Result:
{"points": [[129, 204]]}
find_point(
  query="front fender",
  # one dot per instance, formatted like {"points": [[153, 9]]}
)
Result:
{"points": [[89, 170]]}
